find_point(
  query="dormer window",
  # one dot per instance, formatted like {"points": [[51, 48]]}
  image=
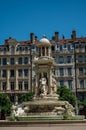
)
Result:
{"points": [[20, 48], [69, 48], [61, 48], [64, 45], [26, 48], [12, 49]]}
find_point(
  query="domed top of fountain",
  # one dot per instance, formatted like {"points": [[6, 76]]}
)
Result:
{"points": [[44, 40]]}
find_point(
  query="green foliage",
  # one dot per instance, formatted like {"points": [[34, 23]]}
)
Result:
{"points": [[84, 102], [66, 94], [25, 97], [5, 104]]}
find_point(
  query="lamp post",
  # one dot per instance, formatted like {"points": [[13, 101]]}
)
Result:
{"points": [[76, 105]]}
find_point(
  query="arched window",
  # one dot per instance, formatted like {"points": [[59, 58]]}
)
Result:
{"points": [[12, 49]]}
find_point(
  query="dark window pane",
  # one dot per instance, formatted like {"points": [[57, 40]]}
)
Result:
{"points": [[12, 61]]}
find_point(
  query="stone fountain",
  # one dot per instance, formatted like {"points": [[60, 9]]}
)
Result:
{"points": [[45, 101]]}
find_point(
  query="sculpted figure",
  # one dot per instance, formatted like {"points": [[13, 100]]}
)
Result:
{"points": [[42, 86]]}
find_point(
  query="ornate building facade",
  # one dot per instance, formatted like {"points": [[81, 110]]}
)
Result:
{"points": [[17, 70]]}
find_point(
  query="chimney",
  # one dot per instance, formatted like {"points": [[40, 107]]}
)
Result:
{"points": [[73, 36], [6, 41], [63, 37], [35, 37], [31, 37], [56, 36], [53, 38]]}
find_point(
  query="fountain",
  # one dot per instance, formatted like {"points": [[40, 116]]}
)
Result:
{"points": [[45, 101]]}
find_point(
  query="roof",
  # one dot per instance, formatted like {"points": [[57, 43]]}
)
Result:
{"points": [[45, 40]]}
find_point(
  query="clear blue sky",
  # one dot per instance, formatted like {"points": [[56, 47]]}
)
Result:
{"points": [[20, 17]]}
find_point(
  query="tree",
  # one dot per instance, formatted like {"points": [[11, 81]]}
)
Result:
{"points": [[84, 104], [25, 97], [66, 94], [5, 106]]}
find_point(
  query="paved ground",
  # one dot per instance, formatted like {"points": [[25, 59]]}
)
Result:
{"points": [[66, 127], [48, 126]]}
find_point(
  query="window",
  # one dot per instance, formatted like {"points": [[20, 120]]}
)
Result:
{"points": [[81, 97], [61, 59], [12, 98], [20, 72], [20, 60], [26, 72], [20, 48], [53, 48], [69, 59], [12, 61], [85, 70], [12, 86], [26, 48], [69, 71], [25, 60], [61, 48], [12, 49], [11, 73], [64, 45], [36, 49], [61, 71], [68, 47], [80, 58], [4, 86], [85, 48], [80, 71], [81, 83], [4, 61], [5, 49], [85, 58], [20, 85], [70, 84], [0, 61], [61, 83], [4, 73], [25, 85]]}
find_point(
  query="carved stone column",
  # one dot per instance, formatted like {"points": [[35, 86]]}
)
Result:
{"points": [[8, 75], [16, 80]]}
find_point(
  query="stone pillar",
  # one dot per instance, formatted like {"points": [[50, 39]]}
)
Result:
{"points": [[41, 51], [29, 79], [49, 52], [23, 85], [65, 71], [8, 75], [16, 82], [45, 52]]}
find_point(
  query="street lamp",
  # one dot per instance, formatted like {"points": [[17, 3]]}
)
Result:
{"points": [[76, 105]]}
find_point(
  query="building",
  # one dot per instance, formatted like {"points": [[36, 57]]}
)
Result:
{"points": [[70, 56], [17, 70]]}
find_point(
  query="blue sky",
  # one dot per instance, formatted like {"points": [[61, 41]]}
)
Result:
{"points": [[20, 17]]}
